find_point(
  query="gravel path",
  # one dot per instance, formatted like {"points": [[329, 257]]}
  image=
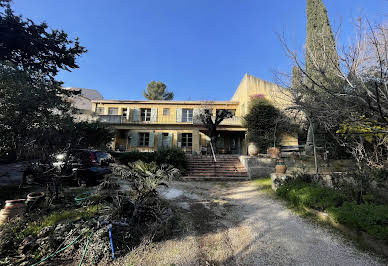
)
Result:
{"points": [[236, 224]]}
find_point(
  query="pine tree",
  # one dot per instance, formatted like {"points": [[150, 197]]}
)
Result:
{"points": [[157, 91], [321, 53]]}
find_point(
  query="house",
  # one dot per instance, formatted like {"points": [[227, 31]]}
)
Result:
{"points": [[82, 102], [148, 125]]}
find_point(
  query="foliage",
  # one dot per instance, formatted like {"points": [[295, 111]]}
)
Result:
{"points": [[157, 91], [367, 139], [34, 116], [91, 135], [147, 177], [264, 121], [321, 53], [369, 218], [34, 48], [346, 98], [175, 157], [303, 194]]}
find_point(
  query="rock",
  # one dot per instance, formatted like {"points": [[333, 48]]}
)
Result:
{"points": [[41, 241], [45, 231], [27, 244], [62, 228]]}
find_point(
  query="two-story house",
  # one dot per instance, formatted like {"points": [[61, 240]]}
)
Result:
{"points": [[149, 125]]}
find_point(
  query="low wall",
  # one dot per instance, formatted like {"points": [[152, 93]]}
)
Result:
{"points": [[258, 166]]}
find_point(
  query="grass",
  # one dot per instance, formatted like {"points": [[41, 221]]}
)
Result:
{"points": [[369, 218], [58, 217], [264, 184]]}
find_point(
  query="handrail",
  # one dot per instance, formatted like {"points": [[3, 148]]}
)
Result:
{"points": [[214, 156]]}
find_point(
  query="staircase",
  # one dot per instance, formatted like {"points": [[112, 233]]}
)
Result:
{"points": [[227, 167]]}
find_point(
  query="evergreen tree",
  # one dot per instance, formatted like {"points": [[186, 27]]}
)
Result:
{"points": [[157, 91], [321, 54]]}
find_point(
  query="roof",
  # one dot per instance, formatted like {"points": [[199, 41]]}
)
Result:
{"points": [[88, 93], [165, 102]]}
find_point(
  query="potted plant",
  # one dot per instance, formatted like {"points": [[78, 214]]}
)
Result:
{"points": [[280, 167], [274, 151]]}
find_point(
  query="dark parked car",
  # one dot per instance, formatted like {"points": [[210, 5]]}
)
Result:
{"points": [[86, 166]]}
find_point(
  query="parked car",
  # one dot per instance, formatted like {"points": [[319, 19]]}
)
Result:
{"points": [[86, 166]]}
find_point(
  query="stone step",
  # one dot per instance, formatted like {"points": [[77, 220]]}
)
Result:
{"points": [[215, 178]]}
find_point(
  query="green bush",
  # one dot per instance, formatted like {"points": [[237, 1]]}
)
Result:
{"points": [[174, 157], [369, 218], [302, 194]]}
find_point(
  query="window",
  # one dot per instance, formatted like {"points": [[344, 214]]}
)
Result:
{"points": [[100, 110], [187, 139], [187, 115], [145, 114], [124, 111], [113, 111], [166, 111], [144, 139]]}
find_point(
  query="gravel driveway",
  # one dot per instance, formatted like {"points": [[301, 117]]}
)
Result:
{"points": [[236, 224]]}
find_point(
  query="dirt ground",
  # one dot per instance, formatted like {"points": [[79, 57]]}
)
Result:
{"points": [[235, 223]]}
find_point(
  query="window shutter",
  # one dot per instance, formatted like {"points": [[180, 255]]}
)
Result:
{"points": [[179, 114], [128, 110], [152, 140], [179, 140], [136, 115], [134, 139], [154, 114], [160, 140], [170, 138]]}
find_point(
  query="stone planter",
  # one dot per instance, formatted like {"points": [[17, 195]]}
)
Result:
{"points": [[280, 167], [34, 196], [274, 152], [253, 150]]}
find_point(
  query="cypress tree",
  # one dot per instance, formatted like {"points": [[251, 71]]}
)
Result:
{"points": [[321, 53]]}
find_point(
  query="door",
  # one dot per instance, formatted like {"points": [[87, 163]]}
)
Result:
{"points": [[165, 140]]}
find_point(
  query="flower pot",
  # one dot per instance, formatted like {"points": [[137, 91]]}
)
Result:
{"points": [[12, 208], [280, 167], [253, 150], [274, 152], [34, 196]]}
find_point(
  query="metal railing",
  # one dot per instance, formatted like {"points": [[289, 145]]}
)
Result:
{"points": [[162, 119]]}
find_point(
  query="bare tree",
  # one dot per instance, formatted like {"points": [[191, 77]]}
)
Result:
{"points": [[352, 102], [211, 121]]}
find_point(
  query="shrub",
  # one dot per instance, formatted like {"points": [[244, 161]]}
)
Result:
{"points": [[369, 218], [302, 194], [174, 157]]}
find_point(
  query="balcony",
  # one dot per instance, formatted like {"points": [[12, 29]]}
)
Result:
{"points": [[164, 119]]}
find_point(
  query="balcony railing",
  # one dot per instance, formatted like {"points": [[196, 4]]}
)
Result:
{"points": [[164, 119]]}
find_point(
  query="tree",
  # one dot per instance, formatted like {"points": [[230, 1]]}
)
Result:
{"points": [[265, 122], [353, 104], [157, 91], [34, 114], [321, 60], [211, 122]]}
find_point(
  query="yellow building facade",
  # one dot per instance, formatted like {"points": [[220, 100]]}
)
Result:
{"points": [[149, 125]]}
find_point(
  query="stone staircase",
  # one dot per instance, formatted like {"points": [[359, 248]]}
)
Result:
{"points": [[227, 167]]}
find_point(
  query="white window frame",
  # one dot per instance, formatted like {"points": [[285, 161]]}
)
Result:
{"points": [[187, 115], [147, 114]]}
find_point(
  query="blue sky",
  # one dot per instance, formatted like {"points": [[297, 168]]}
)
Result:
{"points": [[200, 48]]}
